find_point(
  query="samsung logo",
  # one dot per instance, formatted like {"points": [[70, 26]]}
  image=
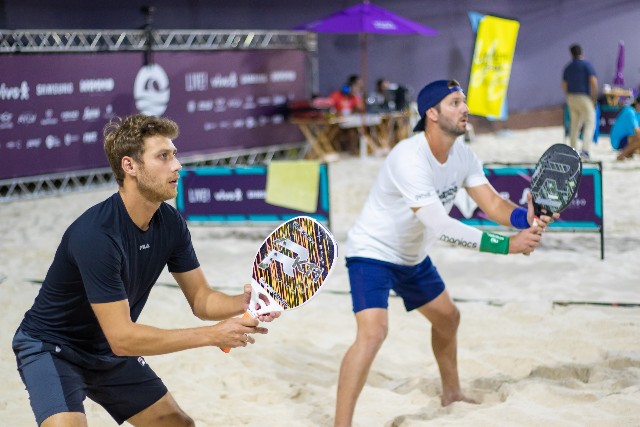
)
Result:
{"points": [[47, 89]]}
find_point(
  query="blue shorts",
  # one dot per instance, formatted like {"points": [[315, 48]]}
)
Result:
{"points": [[372, 280], [59, 378], [623, 142]]}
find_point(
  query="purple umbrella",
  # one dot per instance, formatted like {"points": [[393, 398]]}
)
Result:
{"points": [[619, 79], [364, 19]]}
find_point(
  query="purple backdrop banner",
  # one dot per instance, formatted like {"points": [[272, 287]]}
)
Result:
{"points": [[53, 107], [222, 194], [513, 182]]}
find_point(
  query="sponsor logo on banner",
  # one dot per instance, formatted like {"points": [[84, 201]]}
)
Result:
{"points": [[90, 114], [34, 143], [90, 137], [234, 103], [222, 81], [199, 195], [250, 122], [151, 90], [253, 79], [70, 139], [48, 119], [221, 105], [54, 89], [264, 101], [97, 85], [52, 141], [196, 82], [205, 105], [70, 115], [14, 145], [249, 103], [27, 118], [20, 93], [281, 76], [6, 121], [228, 196]]}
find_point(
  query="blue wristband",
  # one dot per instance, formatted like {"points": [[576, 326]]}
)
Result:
{"points": [[519, 218]]}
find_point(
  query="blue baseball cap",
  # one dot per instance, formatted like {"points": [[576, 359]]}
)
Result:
{"points": [[430, 96]]}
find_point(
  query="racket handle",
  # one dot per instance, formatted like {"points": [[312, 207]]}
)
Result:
{"points": [[244, 316], [535, 222]]}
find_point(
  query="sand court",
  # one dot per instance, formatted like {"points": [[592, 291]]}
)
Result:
{"points": [[551, 339]]}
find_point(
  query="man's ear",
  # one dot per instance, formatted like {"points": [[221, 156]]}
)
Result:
{"points": [[432, 114], [129, 166]]}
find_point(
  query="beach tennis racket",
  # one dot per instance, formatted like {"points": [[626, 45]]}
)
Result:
{"points": [[555, 180], [291, 266]]}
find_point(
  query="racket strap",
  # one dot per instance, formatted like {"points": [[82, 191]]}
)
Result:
{"points": [[494, 243]]}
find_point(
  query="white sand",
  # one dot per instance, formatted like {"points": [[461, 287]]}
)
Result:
{"points": [[529, 362]]}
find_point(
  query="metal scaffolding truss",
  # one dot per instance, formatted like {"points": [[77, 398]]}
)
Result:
{"points": [[48, 41], [65, 182]]}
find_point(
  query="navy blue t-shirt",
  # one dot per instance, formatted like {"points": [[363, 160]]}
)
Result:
{"points": [[577, 74], [104, 257]]}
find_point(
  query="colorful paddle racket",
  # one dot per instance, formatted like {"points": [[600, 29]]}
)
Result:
{"points": [[555, 180], [291, 266]]}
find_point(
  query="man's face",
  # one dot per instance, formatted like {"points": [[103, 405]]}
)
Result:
{"points": [[159, 171], [454, 114]]}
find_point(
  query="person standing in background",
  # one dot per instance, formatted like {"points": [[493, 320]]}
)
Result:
{"points": [[580, 84]]}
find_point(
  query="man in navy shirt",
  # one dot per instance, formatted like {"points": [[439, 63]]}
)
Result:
{"points": [[580, 84], [80, 338]]}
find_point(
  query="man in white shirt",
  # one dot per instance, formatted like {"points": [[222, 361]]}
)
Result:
{"points": [[406, 212]]}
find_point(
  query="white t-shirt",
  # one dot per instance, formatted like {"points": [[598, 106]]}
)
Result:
{"points": [[411, 177]]}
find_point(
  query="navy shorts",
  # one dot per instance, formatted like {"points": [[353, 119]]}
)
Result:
{"points": [[59, 378], [372, 280], [623, 142]]}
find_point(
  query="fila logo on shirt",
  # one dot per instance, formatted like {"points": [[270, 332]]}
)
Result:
{"points": [[145, 246]]}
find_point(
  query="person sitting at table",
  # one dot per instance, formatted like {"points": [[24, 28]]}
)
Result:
{"points": [[382, 100], [348, 99], [625, 132]]}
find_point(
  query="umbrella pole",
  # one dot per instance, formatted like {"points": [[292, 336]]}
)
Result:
{"points": [[363, 62]]}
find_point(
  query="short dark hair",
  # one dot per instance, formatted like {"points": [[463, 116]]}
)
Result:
{"points": [[576, 50]]}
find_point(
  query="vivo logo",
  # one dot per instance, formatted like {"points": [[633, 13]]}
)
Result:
{"points": [[228, 196], [230, 80], [17, 92]]}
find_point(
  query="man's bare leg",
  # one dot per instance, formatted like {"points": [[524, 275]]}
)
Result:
{"points": [[164, 413], [633, 144], [372, 330], [445, 318], [66, 419]]}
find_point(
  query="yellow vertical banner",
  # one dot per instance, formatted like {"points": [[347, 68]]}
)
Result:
{"points": [[491, 66]]}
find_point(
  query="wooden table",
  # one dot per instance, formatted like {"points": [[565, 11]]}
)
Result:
{"points": [[378, 132]]}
